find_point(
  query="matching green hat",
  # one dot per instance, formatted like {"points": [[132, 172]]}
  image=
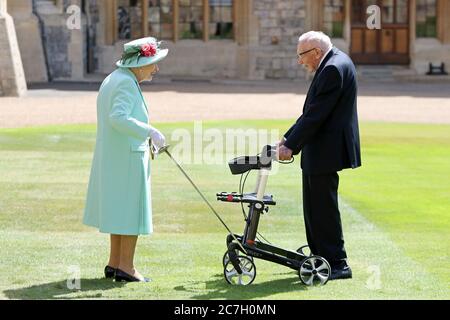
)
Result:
{"points": [[141, 52]]}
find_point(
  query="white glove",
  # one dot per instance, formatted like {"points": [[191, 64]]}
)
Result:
{"points": [[157, 137]]}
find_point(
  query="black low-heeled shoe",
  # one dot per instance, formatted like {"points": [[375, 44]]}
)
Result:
{"points": [[110, 272], [123, 276]]}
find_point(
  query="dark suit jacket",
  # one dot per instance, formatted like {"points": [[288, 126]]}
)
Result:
{"points": [[327, 132]]}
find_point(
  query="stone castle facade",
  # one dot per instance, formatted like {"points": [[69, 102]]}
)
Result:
{"points": [[238, 39]]}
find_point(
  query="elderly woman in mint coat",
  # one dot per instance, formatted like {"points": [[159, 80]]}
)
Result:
{"points": [[119, 197]]}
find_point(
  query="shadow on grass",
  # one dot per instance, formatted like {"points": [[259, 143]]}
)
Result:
{"points": [[218, 288], [90, 289]]}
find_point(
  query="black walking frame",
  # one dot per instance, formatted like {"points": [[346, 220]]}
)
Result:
{"points": [[238, 260]]}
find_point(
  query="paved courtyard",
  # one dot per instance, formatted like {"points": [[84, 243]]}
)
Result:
{"points": [[61, 103]]}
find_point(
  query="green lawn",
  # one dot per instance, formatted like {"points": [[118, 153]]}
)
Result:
{"points": [[395, 212]]}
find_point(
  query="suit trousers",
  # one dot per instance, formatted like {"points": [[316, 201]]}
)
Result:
{"points": [[322, 217]]}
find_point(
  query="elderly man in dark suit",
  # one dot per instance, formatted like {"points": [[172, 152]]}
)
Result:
{"points": [[328, 136]]}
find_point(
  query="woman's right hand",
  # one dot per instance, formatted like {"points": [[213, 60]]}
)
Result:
{"points": [[157, 137]]}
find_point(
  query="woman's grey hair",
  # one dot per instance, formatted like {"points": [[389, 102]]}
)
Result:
{"points": [[318, 39]]}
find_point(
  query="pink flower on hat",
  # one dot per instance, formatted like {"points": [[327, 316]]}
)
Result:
{"points": [[148, 50]]}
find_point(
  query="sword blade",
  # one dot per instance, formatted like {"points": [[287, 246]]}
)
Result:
{"points": [[204, 199]]}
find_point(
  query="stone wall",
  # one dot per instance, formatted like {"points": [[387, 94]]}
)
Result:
{"points": [[12, 78], [65, 48], [192, 58], [265, 46], [280, 25], [429, 50]]}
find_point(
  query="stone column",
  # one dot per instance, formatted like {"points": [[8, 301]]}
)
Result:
{"points": [[76, 48], [29, 39], [443, 21], [314, 18], [12, 77], [412, 31]]}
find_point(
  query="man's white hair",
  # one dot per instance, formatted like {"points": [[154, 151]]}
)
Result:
{"points": [[318, 39]]}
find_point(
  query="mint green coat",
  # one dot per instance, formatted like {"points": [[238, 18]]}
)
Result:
{"points": [[119, 198]]}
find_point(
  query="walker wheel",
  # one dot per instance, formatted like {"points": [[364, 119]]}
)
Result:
{"points": [[314, 271], [226, 258], [302, 251], [248, 272]]}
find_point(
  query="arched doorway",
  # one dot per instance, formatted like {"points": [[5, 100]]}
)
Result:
{"points": [[388, 45]]}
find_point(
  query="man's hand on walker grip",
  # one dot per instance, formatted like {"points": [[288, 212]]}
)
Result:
{"points": [[284, 153]]}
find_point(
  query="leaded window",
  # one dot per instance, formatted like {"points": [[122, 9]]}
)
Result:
{"points": [[221, 19], [333, 18], [160, 19], [426, 18]]}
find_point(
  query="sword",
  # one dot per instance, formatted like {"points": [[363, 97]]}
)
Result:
{"points": [[165, 149]]}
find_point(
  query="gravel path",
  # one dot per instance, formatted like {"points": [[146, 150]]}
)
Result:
{"points": [[64, 103]]}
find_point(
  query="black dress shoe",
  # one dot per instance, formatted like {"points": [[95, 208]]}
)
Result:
{"points": [[340, 273], [110, 272], [123, 276]]}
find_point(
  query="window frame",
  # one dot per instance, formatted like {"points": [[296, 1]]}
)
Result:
{"points": [[113, 23], [436, 22], [323, 21]]}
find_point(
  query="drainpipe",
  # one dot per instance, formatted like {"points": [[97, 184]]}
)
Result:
{"points": [[44, 40], [85, 11]]}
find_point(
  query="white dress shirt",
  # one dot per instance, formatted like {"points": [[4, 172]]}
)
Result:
{"points": [[321, 60]]}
